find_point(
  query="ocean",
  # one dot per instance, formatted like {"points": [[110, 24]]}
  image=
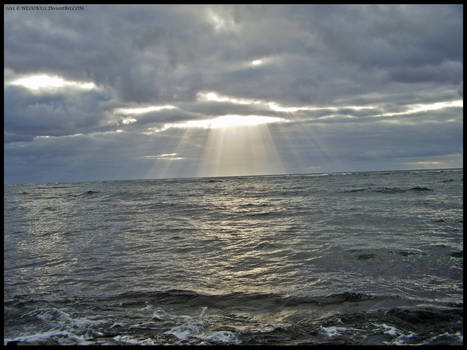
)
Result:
{"points": [[340, 258]]}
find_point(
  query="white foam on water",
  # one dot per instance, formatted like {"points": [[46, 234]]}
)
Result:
{"points": [[203, 311], [53, 316], [401, 340], [458, 336], [222, 337], [146, 308], [161, 315], [185, 331], [333, 331], [390, 330], [196, 330], [126, 339], [55, 335], [116, 324], [188, 328], [266, 329], [62, 327], [401, 337]]}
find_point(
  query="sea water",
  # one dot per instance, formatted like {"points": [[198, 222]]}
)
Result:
{"points": [[342, 258]]}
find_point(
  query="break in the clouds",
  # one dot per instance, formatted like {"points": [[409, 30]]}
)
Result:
{"points": [[150, 91]]}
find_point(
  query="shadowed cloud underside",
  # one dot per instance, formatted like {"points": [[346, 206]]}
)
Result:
{"points": [[214, 90]]}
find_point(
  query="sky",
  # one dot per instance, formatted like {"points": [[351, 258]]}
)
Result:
{"points": [[115, 92]]}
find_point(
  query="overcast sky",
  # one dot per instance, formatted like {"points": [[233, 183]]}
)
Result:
{"points": [[139, 92]]}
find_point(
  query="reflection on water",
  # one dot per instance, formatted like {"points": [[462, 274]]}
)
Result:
{"points": [[260, 253]]}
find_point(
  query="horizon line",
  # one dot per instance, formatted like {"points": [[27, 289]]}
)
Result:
{"points": [[230, 176]]}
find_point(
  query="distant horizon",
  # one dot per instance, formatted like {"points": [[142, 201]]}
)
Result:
{"points": [[234, 176]]}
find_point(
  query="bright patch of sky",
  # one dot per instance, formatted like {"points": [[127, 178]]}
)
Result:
{"points": [[274, 106], [142, 110], [127, 121], [44, 81], [420, 107], [225, 121], [215, 97], [165, 156]]}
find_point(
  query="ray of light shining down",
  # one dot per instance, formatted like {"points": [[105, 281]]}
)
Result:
{"points": [[303, 134], [291, 136], [234, 145], [174, 163], [240, 150]]}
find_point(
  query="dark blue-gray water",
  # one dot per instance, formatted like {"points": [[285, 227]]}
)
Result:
{"points": [[346, 258]]}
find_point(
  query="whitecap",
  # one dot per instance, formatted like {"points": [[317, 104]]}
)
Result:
{"points": [[189, 328], [333, 331], [401, 338], [126, 339]]}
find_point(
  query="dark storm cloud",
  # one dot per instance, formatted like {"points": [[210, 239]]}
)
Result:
{"points": [[53, 114], [167, 53], [385, 57], [446, 72], [390, 36], [327, 52], [135, 50], [157, 119]]}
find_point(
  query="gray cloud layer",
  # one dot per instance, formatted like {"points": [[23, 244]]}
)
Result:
{"points": [[384, 57]]}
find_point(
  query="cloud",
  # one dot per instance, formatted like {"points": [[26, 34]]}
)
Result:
{"points": [[83, 157], [343, 76], [157, 59], [165, 156], [51, 114]]}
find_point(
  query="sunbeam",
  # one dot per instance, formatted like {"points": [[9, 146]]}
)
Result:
{"points": [[243, 150], [177, 159]]}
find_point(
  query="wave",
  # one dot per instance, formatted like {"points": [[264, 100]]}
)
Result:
{"points": [[84, 194], [57, 327], [258, 300], [52, 186], [87, 193], [195, 299], [448, 180], [180, 317], [419, 325], [390, 190], [394, 327]]}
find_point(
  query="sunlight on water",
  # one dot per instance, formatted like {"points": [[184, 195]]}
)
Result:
{"points": [[366, 258]]}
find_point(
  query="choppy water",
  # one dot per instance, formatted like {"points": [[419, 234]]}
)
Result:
{"points": [[349, 258]]}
